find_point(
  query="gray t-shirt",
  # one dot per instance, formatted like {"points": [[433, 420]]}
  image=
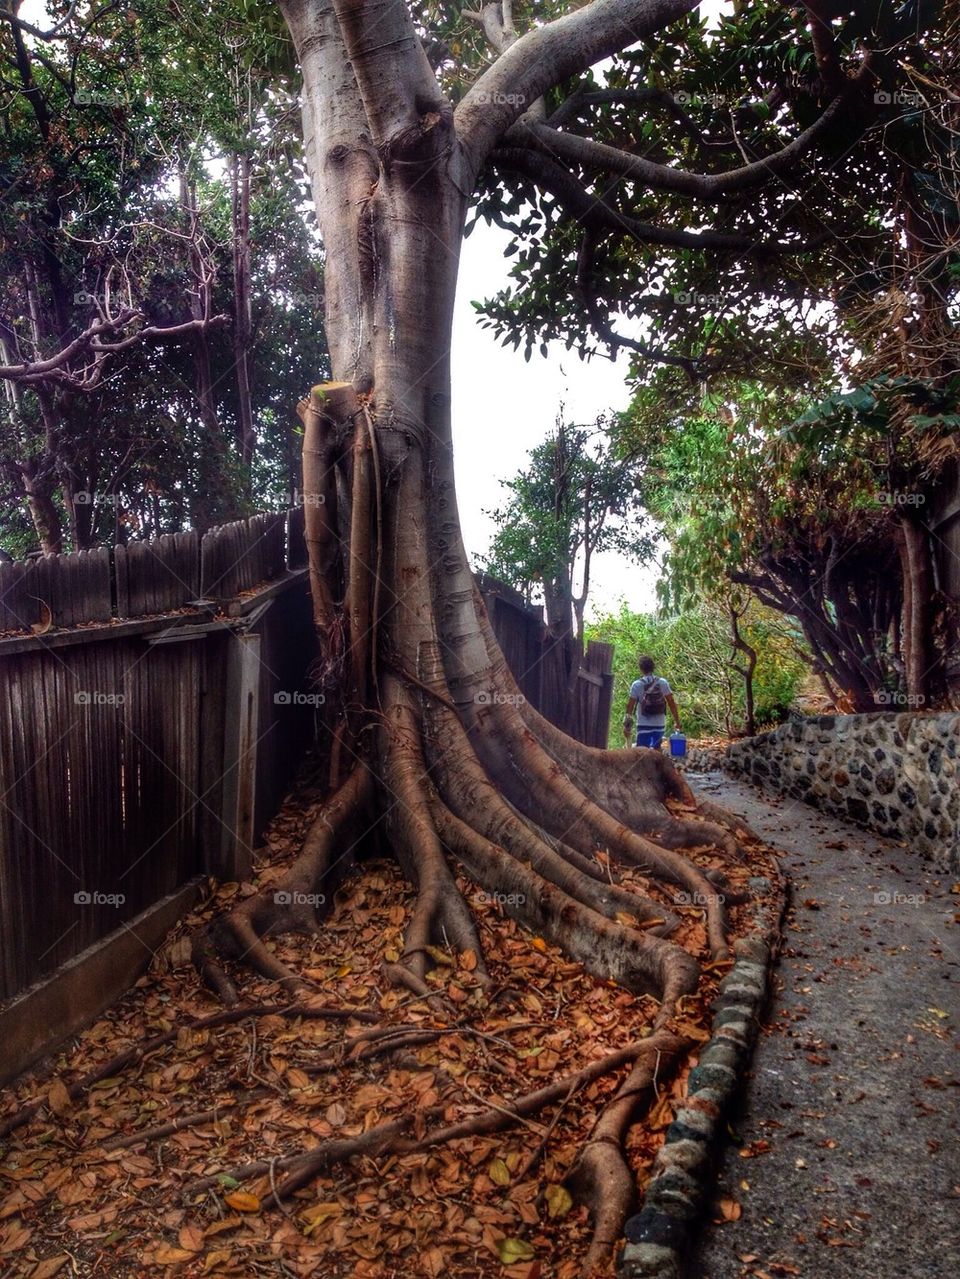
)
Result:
{"points": [[636, 692]]}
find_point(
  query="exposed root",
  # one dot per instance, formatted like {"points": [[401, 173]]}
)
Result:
{"points": [[631, 958], [289, 905], [601, 1178]]}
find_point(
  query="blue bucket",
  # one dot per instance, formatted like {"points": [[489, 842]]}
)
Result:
{"points": [[678, 744]]}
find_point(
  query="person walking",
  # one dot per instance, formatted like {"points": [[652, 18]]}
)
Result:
{"points": [[650, 697]]}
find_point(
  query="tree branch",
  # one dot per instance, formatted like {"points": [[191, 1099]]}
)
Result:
{"points": [[547, 55], [575, 149], [580, 100], [88, 343], [597, 316], [594, 212]]}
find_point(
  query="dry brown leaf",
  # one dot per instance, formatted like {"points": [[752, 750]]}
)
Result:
{"points": [[729, 1208], [242, 1201], [49, 1267], [58, 1098], [191, 1238], [166, 1254]]}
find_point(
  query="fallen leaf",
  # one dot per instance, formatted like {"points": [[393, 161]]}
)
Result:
{"points": [[50, 1266], [510, 1251], [498, 1172], [191, 1238], [559, 1201], [241, 1201], [58, 1098], [166, 1254], [729, 1208]]}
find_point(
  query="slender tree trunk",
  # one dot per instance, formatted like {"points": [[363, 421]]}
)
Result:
{"points": [[240, 213], [740, 645], [919, 658]]}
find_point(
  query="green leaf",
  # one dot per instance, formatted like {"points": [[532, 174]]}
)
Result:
{"points": [[510, 1251], [559, 1201]]}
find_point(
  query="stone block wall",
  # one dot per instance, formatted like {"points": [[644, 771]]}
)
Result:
{"points": [[896, 774]]}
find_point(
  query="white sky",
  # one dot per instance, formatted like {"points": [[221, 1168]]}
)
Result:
{"points": [[503, 406]]}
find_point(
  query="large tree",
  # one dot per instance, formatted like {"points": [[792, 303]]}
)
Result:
{"points": [[407, 116]]}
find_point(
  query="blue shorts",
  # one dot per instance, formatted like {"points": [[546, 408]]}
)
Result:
{"points": [[651, 737]]}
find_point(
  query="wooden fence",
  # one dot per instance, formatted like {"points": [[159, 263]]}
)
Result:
{"points": [[538, 663], [149, 732]]}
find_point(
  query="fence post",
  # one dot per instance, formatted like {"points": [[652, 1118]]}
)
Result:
{"points": [[239, 758]]}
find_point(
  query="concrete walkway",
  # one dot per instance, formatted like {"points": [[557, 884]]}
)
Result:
{"points": [[849, 1124]]}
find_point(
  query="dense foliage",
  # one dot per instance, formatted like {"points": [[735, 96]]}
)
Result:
{"points": [[160, 282]]}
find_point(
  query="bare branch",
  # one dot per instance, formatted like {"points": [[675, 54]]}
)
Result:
{"points": [[88, 344], [38, 34]]}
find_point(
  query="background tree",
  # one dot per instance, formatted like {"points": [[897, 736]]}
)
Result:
{"points": [[576, 499], [692, 649], [807, 509], [146, 351]]}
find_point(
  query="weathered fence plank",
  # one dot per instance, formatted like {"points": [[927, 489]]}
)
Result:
{"points": [[159, 576]]}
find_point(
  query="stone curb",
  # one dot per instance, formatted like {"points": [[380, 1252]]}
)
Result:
{"points": [[659, 1236]]}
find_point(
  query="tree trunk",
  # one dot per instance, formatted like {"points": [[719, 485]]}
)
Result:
{"points": [[740, 645], [917, 622], [240, 216]]}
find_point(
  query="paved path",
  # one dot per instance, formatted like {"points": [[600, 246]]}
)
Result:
{"points": [[850, 1115]]}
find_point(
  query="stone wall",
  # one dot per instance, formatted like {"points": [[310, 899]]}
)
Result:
{"points": [[895, 774]]}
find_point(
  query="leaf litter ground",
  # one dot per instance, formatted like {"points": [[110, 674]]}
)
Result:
{"points": [[82, 1195]]}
